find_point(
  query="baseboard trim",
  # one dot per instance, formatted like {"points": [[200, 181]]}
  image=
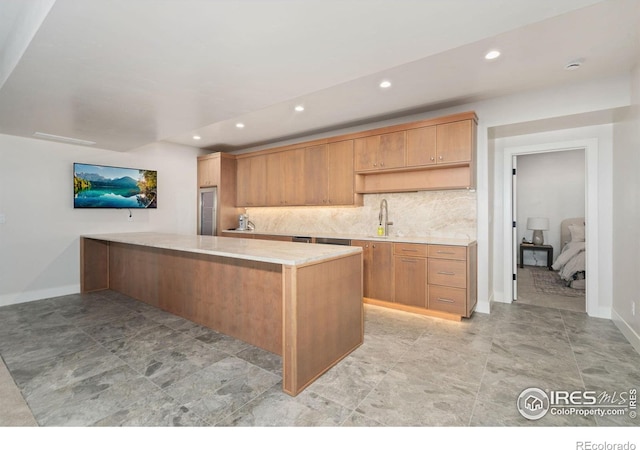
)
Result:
{"points": [[41, 294], [484, 307], [626, 330], [601, 312]]}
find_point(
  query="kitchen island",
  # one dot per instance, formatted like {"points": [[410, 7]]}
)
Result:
{"points": [[297, 300]]}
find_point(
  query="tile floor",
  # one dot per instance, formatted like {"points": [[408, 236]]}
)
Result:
{"points": [[106, 360]]}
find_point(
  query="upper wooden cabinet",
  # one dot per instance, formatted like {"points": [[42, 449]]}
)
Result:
{"points": [[447, 143], [380, 152], [316, 175], [251, 181], [430, 154], [208, 171], [340, 173], [439, 154], [455, 142], [421, 146], [274, 194], [285, 178], [328, 174]]}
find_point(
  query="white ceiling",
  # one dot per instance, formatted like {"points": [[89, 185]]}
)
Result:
{"points": [[125, 73]]}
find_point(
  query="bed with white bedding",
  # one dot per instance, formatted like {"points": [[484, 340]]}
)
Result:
{"points": [[571, 263]]}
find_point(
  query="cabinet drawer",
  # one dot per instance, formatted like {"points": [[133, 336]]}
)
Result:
{"points": [[415, 250], [448, 299], [446, 272], [448, 252]]}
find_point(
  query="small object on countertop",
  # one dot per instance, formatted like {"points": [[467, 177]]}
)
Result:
{"points": [[380, 230]]}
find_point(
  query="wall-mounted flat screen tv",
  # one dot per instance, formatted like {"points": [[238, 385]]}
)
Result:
{"points": [[96, 186]]}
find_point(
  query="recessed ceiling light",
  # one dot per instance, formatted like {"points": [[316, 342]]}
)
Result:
{"points": [[239, 125], [299, 108], [493, 54], [385, 84], [197, 138]]}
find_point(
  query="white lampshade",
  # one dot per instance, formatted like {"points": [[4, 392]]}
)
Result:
{"points": [[537, 223]]}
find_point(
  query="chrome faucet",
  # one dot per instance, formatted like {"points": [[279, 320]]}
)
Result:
{"points": [[384, 208]]}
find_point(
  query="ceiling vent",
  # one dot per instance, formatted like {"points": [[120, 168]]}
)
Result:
{"points": [[574, 65], [68, 140]]}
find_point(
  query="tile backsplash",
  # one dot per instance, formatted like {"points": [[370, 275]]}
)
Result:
{"points": [[419, 214]]}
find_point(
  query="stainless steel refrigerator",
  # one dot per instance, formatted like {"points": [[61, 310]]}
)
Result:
{"points": [[207, 209]]}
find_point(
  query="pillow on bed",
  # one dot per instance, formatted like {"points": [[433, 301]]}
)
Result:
{"points": [[577, 233]]}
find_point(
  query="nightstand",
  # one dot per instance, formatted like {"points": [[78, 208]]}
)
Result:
{"points": [[532, 247]]}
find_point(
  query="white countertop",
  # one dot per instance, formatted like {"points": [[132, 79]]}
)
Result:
{"points": [[434, 240], [287, 253]]}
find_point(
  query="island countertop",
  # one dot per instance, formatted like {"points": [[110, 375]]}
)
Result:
{"points": [[286, 253]]}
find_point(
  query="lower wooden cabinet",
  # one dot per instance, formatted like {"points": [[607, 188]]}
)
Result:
{"points": [[411, 281], [452, 279], [421, 278], [410, 274], [434, 279], [377, 273]]}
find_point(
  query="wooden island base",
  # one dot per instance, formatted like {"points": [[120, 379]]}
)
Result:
{"points": [[311, 314]]}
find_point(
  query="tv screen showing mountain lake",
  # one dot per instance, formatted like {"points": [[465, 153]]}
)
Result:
{"points": [[96, 186]]}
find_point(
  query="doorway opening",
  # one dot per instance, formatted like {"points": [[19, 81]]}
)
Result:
{"points": [[514, 232], [549, 197]]}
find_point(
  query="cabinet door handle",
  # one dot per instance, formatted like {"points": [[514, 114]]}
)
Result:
{"points": [[442, 252], [432, 158], [446, 273], [409, 250], [413, 261], [445, 300]]}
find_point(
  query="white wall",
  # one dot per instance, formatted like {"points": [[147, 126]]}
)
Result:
{"points": [[626, 224], [39, 240], [549, 185]]}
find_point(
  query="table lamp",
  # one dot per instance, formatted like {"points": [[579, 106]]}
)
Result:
{"points": [[537, 224]]}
